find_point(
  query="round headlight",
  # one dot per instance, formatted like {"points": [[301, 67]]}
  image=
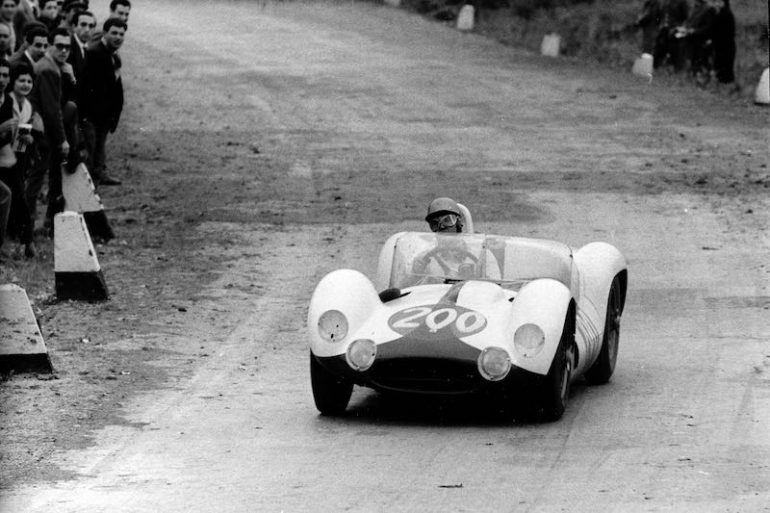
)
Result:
{"points": [[361, 354], [332, 326], [494, 363], [529, 340]]}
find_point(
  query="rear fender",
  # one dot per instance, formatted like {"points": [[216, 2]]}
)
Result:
{"points": [[545, 303], [349, 292], [598, 264]]}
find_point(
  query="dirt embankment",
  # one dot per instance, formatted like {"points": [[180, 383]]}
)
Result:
{"points": [[603, 31]]}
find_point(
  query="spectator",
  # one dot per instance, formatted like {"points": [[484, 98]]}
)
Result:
{"points": [[26, 13], [669, 48], [120, 9], [698, 31], [13, 166], [101, 100], [5, 41], [7, 127], [49, 101], [49, 14], [84, 24], [36, 44], [648, 21], [724, 42], [8, 10], [69, 9]]}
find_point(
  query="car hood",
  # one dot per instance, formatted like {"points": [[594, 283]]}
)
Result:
{"points": [[428, 317]]}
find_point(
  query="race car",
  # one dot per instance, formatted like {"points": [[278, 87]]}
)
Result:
{"points": [[469, 313]]}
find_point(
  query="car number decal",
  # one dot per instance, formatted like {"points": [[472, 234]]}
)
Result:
{"points": [[461, 321]]}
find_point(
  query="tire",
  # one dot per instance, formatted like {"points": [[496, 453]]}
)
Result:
{"points": [[554, 394], [602, 369], [330, 393]]}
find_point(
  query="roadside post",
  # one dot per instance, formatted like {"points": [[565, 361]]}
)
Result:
{"points": [[77, 270], [21, 344], [80, 196]]}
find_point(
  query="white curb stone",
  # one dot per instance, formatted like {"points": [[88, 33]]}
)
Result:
{"points": [[550, 47], [78, 274], [80, 196], [465, 18], [21, 344], [643, 66], [762, 95]]}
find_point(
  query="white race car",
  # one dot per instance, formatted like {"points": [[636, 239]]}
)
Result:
{"points": [[465, 313]]}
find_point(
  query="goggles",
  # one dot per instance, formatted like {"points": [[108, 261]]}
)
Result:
{"points": [[442, 222]]}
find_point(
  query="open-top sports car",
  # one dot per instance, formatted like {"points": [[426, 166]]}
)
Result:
{"points": [[465, 313]]}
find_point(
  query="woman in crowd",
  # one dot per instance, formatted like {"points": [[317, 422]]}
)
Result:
{"points": [[14, 160]]}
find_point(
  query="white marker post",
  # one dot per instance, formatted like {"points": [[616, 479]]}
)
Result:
{"points": [[80, 196], [762, 95], [466, 17], [78, 275], [551, 45], [21, 344]]}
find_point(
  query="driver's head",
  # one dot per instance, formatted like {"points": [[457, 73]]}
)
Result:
{"points": [[444, 216]]}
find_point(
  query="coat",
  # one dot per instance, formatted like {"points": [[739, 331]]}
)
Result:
{"points": [[101, 92]]}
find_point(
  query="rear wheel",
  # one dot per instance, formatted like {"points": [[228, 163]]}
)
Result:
{"points": [[602, 369], [555, 391], [330, 393]]}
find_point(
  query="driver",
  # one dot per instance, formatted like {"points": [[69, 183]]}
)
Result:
{"points": [[444, 216]]}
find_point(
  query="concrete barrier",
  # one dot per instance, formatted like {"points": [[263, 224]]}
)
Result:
{"points": [[551, 45], [77, 270], [762, 94], [80, 196], [643, 66], [466, 18], [21, 344]]}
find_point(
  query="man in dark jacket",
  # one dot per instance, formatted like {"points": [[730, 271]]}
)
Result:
{"points": [[49, 99], [101, 96], [724, 42], [673, 14]]}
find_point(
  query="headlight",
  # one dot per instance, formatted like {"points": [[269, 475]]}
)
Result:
{"points": [[332, 326], [361, 354], [529, 340], [494, 363]]}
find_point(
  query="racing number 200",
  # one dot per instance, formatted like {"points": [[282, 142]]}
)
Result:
{"points": [[463, 321]]}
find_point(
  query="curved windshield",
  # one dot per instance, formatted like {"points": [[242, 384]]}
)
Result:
{"points": [[425, 258]]}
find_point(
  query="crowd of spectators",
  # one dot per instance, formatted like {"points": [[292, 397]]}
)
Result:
{"points": [[61, 95], [699, 38]]}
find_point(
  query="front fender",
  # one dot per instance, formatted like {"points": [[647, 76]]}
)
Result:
{"points": [[545, 303], [347, 291]]}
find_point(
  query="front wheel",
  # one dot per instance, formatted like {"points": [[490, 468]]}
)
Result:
{"points": [[556, 388], [602, 369], [330, 393]]}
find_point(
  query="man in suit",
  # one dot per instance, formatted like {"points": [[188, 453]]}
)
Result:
{"points": [[52, 74], [101, 96], [84, 23]]}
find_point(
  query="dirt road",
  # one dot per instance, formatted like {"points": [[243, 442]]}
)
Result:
{"points": [[265, 145]]}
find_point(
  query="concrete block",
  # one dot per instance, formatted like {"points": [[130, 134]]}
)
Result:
{"points": [[643, 66], [466, 18], [762, 95], [21, 344], [77, 270], [551, 45], [80, 196]]}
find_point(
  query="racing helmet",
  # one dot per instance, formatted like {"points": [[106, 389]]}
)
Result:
{"points": [[440, 207]]}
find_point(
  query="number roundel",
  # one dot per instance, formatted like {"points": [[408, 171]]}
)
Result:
{"points": [[433, 319]]}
